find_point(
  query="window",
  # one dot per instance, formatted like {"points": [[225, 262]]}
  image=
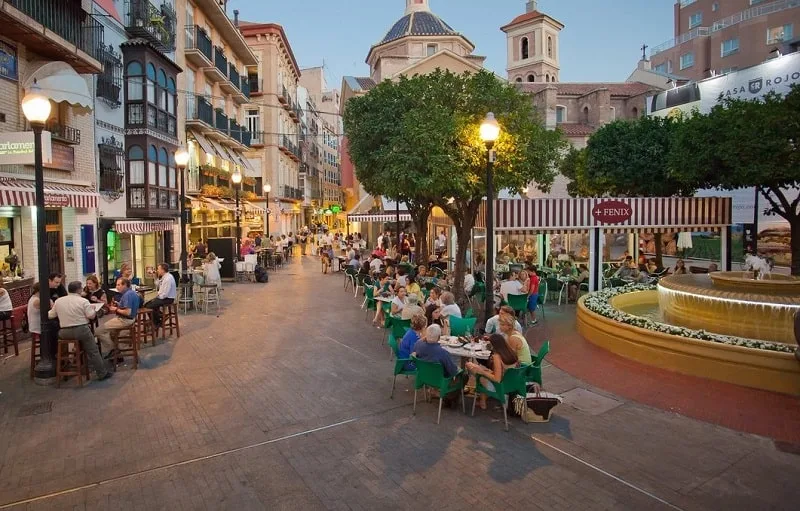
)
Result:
{"points": [[431, 49], [778, 34], [561, 114], [550, 47], [151, 83], [524, 45], [109, 82], [546, 77], [661, 68], [635, 113], [728, 70], [152, 162], [519, 79], [134, 78], [586, 115], [715, 7], [754, 2], [729, 47], [612, 113], [695, 20], [531, 78], [111, 165], [687, 60]]}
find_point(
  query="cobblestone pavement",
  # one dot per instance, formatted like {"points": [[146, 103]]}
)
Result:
{"points": [[282, 402]]}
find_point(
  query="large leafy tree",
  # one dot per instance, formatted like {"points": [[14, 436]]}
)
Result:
{"points": [[628, 158], [418, 138], [742, 143]]}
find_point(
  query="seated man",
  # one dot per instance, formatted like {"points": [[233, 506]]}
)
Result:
{"points": [[167, 292], [429, 350], [124, 311]]}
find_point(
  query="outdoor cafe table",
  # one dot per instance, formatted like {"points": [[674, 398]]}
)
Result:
{"points": [[463, 352]]}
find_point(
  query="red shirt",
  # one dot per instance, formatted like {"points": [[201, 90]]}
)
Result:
{"points": [[534, 288]]}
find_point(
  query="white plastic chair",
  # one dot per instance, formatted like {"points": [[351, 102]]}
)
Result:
{"points": [[240, 271], [250, 271]]}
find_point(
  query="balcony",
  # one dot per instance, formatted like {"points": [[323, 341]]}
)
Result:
{"points": [[257, 139], [221, 122], [63, 133], [754, 12], [56, 30], [685, 37], [199, 50], [218, 73], [256, 85], [156, 24], [111, 181], [199, 114], [283, 97], [228, 85], [233, 76], [290, 192]]}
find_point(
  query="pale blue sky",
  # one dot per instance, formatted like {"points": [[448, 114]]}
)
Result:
{"points": [[600, 42]]}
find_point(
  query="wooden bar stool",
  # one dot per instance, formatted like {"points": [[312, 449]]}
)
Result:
{"points": [[9, 333], [36, 353], [71, 362], [127, 345], [169, 320], [145, 328]]}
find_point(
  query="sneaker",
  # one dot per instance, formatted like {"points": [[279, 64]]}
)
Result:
{"points": [[534, 322], [111, 354], [106, 376]]}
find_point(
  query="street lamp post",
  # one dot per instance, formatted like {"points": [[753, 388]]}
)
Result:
{"points": [[236, 178], [490, 131], [267, 189], [36, 108], [181, 160]]}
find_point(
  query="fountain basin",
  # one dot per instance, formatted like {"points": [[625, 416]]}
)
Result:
{"points": [[729, 303], [763, 369]]}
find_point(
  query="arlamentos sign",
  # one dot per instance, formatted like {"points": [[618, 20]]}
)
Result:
{"points": [[17, 148], [612, 212]]}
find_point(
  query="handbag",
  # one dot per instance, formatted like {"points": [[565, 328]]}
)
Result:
{"points": [[536, 405]]}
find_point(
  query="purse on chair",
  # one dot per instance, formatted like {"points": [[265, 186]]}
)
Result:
{"points": [[536, 405]]}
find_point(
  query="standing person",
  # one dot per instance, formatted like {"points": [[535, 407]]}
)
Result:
{"points": [[74, 313], [125, 310], [167, 292], [441, 242], [302, 239], [199, 250], [258, 241]]}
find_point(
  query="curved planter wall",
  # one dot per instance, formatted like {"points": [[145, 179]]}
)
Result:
{"points": [[762, 369]]}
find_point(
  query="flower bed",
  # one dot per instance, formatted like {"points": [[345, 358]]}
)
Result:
{"points": [[600, 303]]}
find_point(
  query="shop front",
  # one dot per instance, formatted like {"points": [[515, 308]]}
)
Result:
{"points": [[216, 218], [140, 243]]}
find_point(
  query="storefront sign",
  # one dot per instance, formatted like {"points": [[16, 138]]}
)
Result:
{"points": [[63, 157], [16, 148], [56, 200], [8, 62], [612, 212], [87, 248], [336, 208], [69, 248]]}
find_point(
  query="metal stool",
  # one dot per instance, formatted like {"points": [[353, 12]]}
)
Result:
{"points": [[71, 362], [186, 297]]}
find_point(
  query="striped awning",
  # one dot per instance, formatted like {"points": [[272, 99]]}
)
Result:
{"points": [[142, 226], [652, 214], [378, 217], [18, 192]]}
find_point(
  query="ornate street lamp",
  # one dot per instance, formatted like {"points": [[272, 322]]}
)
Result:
{"points": [[36, 108], [267, 189], [236, 178], [181, 160], [490, 132]]}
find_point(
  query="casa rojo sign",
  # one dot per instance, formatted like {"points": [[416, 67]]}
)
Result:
{"points": [[612, 212]]}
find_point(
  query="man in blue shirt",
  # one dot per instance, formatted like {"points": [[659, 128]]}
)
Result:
{"points": [[124, 310], [429, 350]]}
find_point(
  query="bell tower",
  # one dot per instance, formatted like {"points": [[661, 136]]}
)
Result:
{"points": [[417, 6], [533, 47]]}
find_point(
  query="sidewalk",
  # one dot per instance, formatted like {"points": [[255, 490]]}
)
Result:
{"points": [[282, 402]]}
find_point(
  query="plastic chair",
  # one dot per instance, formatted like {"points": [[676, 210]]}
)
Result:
{"points": [[399, 364], [462, 326], [556, 286], [250, 271], [431, 374], [240, 271], [513, 383], [534, 371], [370, 304], [520, 305]]}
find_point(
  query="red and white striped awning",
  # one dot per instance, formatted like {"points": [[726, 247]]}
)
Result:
{"points": [[378, 217], [651, 214], [18, 192], [142, 226]]}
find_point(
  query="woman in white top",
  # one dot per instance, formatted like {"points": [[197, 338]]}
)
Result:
{"points": [[399, 301], [34, 316], [6, 308], [211, 269]]}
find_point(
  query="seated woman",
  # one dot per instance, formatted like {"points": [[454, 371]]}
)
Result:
{"points": [[94, 293], [414, 334], [680, 268], [412, 288], [399, 301], [211, 268], [382, 288], [514, 338], [503, 357]]}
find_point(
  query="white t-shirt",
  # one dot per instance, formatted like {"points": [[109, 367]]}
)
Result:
{"points": [[380, 240], [34, 317], [450, 310], [5, 302], [469, 283], [510, 287], [375, 264], [402, 280]]}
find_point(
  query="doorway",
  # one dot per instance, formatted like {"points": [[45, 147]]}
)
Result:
{"points": [[55, 252]]}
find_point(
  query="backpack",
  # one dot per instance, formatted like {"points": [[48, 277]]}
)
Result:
{"points": [[261, 274]]}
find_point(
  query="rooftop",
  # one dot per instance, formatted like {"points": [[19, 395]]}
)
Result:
{"points": [[618, 89]]}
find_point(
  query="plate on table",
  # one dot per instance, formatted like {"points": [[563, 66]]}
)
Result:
{"points": [[483, 353], [473, 346]]}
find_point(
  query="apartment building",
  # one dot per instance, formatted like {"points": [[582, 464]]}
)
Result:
{"points": [[216, 62], [274, 114], [718, 36], [57, 44]]}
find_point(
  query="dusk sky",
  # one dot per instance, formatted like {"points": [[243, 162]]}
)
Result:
{"points": [[600, 42]]}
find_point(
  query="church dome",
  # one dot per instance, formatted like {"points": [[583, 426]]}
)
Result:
{"points": [[419, 23]]}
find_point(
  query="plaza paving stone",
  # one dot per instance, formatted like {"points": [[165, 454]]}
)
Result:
{"points": [[282, 402]]}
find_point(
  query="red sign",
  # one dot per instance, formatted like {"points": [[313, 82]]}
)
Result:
{"points": [[612, 212], [56, 200]]}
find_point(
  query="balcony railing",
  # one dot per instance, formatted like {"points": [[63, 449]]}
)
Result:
{"points": [[198, 39], [111, 180], [235, 131], [688, 36], [220, 61], [68, 20], [63, 133], [256, 86], [233, 76], [754, 12], [222, 122], [245, 88], [199, 109], [291, 192], [246, 138], [156, 24]]}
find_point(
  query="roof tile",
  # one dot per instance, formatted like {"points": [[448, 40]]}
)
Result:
{"points": [[618, 89]]}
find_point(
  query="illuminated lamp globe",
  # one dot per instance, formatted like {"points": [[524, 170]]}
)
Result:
{"points": [[236, 177], [36, 106], [490, 129], [267, 188], [181, 157]]}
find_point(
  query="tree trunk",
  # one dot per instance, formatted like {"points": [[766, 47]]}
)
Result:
{"points": [[795, 244], [463, 222], [659, 249], [420, 215]]}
